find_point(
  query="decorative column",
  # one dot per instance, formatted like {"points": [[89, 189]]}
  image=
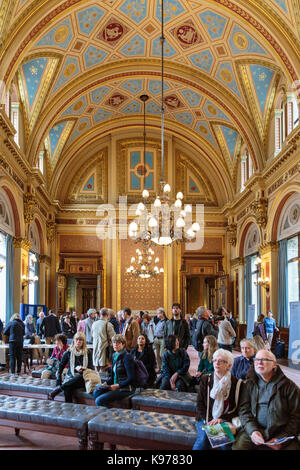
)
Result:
{"points": [[289, 108], [52, 288], [43, 260], [21, 252], [269, 268], [237, 273]]}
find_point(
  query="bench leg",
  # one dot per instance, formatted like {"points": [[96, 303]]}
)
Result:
{"points": [[17, 431], [83, 441], [112, 446], [93, 442]]}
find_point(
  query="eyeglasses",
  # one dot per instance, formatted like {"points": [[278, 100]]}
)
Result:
{"points": [[263, 360], [220, 361]]}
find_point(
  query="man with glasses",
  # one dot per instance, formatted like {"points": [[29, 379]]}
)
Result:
{"points": [[269, 407]]}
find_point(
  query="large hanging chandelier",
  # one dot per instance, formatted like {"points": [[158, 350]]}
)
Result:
{"points": [[144, 266], [164, 224]]}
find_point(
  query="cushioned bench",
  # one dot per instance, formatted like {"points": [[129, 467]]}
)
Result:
{"points": [[31, 387], [142, 430], [66, 419], [165, 401]]}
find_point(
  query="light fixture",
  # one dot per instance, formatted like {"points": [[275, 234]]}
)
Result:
{"points": [[28, 280], [163, 225], [257, 261], [144, 266], [1, 267]]}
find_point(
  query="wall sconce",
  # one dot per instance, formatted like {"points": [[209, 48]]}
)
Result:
{"points": [[28, 280], [263, 282], [257, 261], [1, 267]]}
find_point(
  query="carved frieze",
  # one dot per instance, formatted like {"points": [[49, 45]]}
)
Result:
{"points": [[260, 210], [51, 228], [231, 232]]}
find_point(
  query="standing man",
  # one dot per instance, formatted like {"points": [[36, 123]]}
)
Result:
{"points": [[91, 314], [269, 407], [131, 329], [39, 322], [158, 342], [270, 326], [102, 333], [204, 327], [178, 326], [50, 327]]}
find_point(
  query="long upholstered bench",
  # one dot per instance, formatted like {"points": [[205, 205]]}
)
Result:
{"points": [[165, 401], [142, 430], [30, 387], [66, 419]]}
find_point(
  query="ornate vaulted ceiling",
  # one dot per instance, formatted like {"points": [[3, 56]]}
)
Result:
{"points": [[82, 65]]}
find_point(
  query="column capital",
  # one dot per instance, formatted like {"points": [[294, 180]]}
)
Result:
{"points": [[22, 243], [268, 247], [44, 259], [237, 262]]}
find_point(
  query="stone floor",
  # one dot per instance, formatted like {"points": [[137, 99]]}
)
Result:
{"points": [[28, 440]]}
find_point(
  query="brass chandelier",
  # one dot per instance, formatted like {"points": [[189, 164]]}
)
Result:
{"points": [[145, 266], [164, 224]]}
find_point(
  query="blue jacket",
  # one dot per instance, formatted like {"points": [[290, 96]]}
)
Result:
{"points": [[270, 325], [240, 367]]}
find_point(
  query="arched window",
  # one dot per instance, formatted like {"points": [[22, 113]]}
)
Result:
{"points": [[252, 270], [246, 167], [289, 256], [33, 264], [7, 230]]}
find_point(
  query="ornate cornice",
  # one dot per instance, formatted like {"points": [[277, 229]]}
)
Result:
{"points": [[234, 263]]}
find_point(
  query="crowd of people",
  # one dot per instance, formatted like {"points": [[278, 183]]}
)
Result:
{"points": [[249, 392]]}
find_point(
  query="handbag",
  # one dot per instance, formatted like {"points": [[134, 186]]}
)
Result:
{"points": [[109, 349]]}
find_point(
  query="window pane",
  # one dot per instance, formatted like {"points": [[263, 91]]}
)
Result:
{"points": [[292, 248], [293, 283], [254, 293], [2, 277]]}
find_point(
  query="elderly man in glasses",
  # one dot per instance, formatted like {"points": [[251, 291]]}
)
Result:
{"points": [[269, 408]]}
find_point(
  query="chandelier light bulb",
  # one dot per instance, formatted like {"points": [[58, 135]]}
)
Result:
{"points": [[143, 267], [180, 222], [133, 227], [33, 259], [188, 208], [145, 194], [167, 188], [141, 206], [155, 269], [179, 195], [156, 260], [153, 222], [149, 258], [183, 213], [196, 227], [190, 233], [161, 270], [132, 259], [157, 202], [138, 212], [178, 203]]}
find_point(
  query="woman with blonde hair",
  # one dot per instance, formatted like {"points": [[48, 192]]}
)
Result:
{"points": [[79, 359], [259, 343], [210, 345]]}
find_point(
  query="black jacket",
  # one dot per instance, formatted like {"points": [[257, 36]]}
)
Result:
{"points": [[15, 330], [125, 370], [115, 324], [68, 330], [203, 328], [1, 327], [78, 362], [50, 326], [183, 333], [283, 406], [39, 330], [147, 356], [207, 380], [168, 366]]}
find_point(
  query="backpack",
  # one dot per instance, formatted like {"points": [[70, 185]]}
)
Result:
{"points": [[141, 374], [198, 337]]}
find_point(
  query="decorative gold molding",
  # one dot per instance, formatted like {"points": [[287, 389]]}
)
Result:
{"points": [[232, 233], [22, 243], [30, 207], [51, 231], [260, 209], [236, 262], [45, 259], [268, 247]]}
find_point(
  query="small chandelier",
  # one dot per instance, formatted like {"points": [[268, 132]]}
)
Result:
{"points": [[164, 225], [145, 266], [28, 280]]}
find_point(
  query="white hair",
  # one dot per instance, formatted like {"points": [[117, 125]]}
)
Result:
{"points": [[226, 354], [91, 311]]}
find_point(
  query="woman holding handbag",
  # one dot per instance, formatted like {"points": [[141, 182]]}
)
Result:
{"points": [[102, 331], [217, 398]]}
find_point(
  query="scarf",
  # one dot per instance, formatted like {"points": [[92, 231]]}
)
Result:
{"points": [[220, 393], [72, 360]]}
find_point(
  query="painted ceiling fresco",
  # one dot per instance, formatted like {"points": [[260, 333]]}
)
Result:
{"points": [[205, 39]]}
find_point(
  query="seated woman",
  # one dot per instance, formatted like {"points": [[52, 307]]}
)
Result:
{"points": [[56, 356], [210, 345], [79, 358], [144, 352], [221, 386], [121, 383], [175, 367]]}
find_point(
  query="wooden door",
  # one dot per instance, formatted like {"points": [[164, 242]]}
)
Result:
{"points": [[88, 298]]}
